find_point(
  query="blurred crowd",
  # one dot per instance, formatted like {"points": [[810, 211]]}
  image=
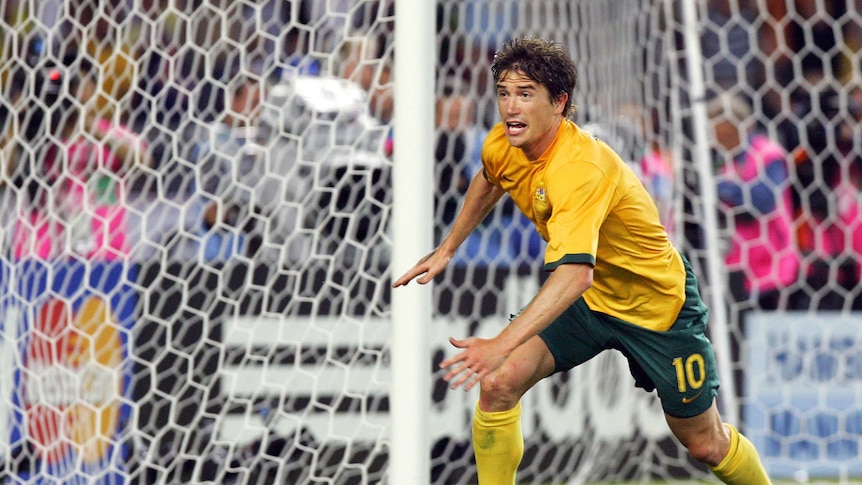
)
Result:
{"points": [[189, 130], [181, 129], [786, 127]]}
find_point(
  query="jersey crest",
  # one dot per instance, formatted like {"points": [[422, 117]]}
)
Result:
{"points": [[541, 208]]}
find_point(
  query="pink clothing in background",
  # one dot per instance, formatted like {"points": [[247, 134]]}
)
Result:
{"points": [[83, 214], [840, 236], [763, 247]]}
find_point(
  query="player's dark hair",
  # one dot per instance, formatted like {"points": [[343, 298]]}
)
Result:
{"points": [[543, 61]]}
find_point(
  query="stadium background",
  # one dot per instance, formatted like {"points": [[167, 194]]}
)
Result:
{"points": [[255, 348]]}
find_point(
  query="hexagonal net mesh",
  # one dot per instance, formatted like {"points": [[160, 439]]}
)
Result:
{"points": [[195, 241]]}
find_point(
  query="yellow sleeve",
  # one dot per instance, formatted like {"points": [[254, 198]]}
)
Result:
{"points": [[581, 198]]}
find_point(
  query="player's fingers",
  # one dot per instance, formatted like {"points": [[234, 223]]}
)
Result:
{"points": [[462, 377], [450, 362], [429, 276], [449, 376], [462, 370], [433, 267], [431, 273], [476, 378], [408, 276], [458, 343]]}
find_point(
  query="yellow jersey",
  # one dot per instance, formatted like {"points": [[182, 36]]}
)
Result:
{"points": [[591, 208]]}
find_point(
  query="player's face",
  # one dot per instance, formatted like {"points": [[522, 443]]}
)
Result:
{"points": [[530, 117]]}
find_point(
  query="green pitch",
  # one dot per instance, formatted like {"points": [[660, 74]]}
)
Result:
{"points": [[702, 482]]}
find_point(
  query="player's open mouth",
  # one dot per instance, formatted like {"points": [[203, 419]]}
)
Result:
{"points": [[515, 128]]}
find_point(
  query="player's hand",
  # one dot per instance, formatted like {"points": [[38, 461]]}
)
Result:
{"points": [[479, 358], [430, 266]]}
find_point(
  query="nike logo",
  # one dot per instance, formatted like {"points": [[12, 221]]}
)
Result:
{"points": [[687, 400], [507, 179]]}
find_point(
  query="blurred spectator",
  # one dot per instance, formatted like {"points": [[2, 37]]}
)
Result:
{"points": [[229, 172], [296, 53], [457, 151], [761, 50], [89, 30], [827, 208], [817, 46], [824, 35], [831, 242], [812, 47], [754, 194], [468, 37], [71, 166], [727, 45], [368, 53], [741, 43], [167, 75], [367, 64], [634, 134], [850, 204], [328, 156], [657, 168]]}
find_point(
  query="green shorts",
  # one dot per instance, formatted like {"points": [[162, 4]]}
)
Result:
{"points": [[679, 363]]}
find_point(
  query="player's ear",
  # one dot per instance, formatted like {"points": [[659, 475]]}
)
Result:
{"points": [[560, 104]]}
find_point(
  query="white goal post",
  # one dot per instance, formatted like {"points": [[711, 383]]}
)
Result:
{"points": [[204, 203], [701, 154], [412, 214]]}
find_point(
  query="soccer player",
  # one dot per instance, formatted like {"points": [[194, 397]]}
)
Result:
{"points": [[616, 280]]}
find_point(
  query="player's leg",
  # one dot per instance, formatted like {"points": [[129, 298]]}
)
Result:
{"points": [[575, 337], [729, 454], [680, 364], [498, 444]]}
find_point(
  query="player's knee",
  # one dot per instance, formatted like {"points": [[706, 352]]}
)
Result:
{"points": [[498, 392], [705, 451]]}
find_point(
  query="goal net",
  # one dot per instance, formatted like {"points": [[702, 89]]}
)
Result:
{"points": [[195, 246]]}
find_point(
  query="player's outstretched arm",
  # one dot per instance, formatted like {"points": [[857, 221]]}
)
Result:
{"points": [[479, 357], [481, 197]]}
